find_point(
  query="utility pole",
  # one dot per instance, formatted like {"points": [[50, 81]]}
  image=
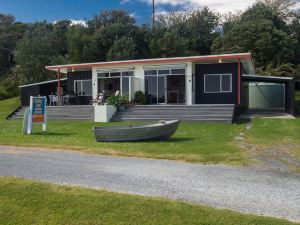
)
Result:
{"points": [[153, 13]]}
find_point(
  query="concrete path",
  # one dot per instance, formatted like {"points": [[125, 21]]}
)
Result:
{"points": [[246, 190]]}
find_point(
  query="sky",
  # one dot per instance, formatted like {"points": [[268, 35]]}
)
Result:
{"points": [[53, 10]]}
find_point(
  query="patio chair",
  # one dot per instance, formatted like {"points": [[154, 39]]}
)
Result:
{"points": [[66, 100], [99, 99], [52, 100]]}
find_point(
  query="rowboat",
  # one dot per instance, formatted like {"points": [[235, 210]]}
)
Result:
{"points": [[155, 131]]}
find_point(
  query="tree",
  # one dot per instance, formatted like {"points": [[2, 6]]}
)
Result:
{"points": [[202, 26], [110, 26], [260, 31], [60, 29], [166, 43], [122, 49], [197, 27], [10, 33], [37, 49], [284, 8]]}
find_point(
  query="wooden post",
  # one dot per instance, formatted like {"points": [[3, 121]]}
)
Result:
{"points": [[239, 82], [58, 88]]}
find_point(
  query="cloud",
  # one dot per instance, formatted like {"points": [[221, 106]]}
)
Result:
{"points": [[79, 22], [221, 6], [217, 5]]}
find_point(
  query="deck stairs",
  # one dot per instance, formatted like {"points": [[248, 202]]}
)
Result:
{"points": [[82, 112], [221, 113]]}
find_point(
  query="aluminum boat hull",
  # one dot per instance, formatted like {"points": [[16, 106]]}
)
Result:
{"points": [[155, 131]]}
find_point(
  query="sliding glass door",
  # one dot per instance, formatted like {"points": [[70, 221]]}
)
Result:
{"points": [[112, 82], [165, 86], [161, 89]]}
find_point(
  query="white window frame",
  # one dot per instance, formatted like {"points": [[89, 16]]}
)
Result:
{"points": [[221, 77], [81, 81], [167, 74], [121, 71], [116, 71]]}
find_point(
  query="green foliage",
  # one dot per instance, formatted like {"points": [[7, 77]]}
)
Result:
{"points": [[166, 44], [117, 101], [82, 45], [8, 89], [180, 34], [269, 29], [10, 33], [36, 50], [122, 49], [262, 32], [140, 97]]}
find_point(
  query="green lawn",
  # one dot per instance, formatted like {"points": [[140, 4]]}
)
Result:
{"points": [[26, 202], [297, 98], [270, 132], [195, 142]]}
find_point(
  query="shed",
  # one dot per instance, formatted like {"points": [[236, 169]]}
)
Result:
{"points": [[269, 91]]}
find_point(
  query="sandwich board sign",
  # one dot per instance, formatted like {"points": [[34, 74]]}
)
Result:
{"points": [[35, 114]]}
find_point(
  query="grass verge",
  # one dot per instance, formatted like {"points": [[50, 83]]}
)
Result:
{"points": [[193, 142], [28, 202]]}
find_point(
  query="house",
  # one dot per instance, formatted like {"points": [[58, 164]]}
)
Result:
{"points": [[196, 80]]}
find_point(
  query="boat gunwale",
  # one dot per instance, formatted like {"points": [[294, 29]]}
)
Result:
{"points": [[137, 126]]}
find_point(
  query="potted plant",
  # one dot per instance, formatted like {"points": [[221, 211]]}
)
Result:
{"points": [[117, 101], [140, 98]]}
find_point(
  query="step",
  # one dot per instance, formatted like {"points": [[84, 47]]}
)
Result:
{"points": [[85, 113], [177, 113], [219, 113], [187, 120]]}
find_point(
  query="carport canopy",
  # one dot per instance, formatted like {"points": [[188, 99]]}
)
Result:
{"points": [[289, 88]]}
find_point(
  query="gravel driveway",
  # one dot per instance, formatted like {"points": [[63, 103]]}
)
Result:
{"points": [[248, 190]]}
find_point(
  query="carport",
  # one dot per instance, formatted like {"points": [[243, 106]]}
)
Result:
{"points": [[42, 88], [288, 93]]}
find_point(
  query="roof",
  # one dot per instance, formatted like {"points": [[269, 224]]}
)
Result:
{"points": [[41, 83], [245, 58], [263, 78]]}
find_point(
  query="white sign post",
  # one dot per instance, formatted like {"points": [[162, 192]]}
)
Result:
{"points": [[35, 114]]}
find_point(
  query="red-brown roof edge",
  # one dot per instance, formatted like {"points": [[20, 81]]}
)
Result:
{"points": [[158, 60]]}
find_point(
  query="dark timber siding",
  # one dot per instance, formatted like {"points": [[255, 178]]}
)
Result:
{"points": [[216, 98], [26, 92], [80, 75], [45, 89]]}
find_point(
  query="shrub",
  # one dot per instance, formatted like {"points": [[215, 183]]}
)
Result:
{"points": [[117, 100], [140, 97]]}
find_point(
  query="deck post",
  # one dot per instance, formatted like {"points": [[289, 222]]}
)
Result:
{"points": [[239, 82], [58, 88]]}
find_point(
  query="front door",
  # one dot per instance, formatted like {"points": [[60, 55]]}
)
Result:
{"points": [[165, 89], [175, 88]]}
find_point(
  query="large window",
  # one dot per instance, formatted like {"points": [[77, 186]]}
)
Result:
{"points": [[217, 83], [83, 87], [158, 85], [111, 81]]}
